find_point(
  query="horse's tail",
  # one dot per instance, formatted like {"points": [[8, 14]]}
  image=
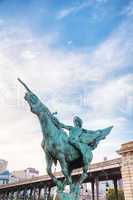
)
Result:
{"points": [[101, 136]]}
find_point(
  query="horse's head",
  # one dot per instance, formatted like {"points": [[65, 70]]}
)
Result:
{"points": [[33, 101]]}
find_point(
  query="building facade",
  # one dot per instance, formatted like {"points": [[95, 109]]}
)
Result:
{"points": [[27, 173], [4, 173]]}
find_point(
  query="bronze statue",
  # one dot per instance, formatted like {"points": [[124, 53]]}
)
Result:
{"points": [[71, 151]]}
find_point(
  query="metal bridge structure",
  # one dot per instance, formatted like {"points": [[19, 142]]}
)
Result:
{"points": [[40, 187]]}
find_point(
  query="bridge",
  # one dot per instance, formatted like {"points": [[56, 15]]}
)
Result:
{"points": [[114, 170], [107, 170]]}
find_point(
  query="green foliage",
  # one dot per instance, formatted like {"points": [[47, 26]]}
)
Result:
{"points": [[111, 194]]}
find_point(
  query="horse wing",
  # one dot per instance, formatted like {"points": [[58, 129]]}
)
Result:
{"points": [[93, 137], [88, 136]]}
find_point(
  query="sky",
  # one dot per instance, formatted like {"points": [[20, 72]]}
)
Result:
{"points": [[76, 55]]}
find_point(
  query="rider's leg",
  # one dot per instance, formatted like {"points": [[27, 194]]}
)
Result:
{"points": [[87, 158], [79, 146], [84, 174]]}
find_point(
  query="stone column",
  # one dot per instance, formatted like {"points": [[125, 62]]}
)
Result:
{"points": [[126, 152], [25, 194], [93, 190], [31, 191], [116, 188], [18, 192], [45, 193], [39, 193], [34, 193], [97, 188]]}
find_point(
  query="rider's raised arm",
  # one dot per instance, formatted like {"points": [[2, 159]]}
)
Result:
{"points": [[65, 126]]}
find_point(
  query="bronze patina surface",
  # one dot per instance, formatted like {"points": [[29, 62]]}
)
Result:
{"points": [[72, 151]]}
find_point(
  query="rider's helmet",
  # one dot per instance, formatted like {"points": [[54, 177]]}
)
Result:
{"points": [[77, 121]]}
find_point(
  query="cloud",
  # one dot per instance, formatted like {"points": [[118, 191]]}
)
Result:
{"points": [[69, 82], [98, 6], [73, 9], [112, 97], [128, 10]]}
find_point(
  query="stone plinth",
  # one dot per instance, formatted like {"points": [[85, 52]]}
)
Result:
{"points": [[126, 152]]}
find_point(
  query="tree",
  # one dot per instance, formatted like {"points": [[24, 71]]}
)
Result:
{"points": [[111, 194]]}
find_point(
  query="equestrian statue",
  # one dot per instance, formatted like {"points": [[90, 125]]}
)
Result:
{"points": [[71, 150]]}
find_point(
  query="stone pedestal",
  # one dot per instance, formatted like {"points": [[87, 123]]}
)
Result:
{"points": [[126, 152], [67, 196], [74, 193]]}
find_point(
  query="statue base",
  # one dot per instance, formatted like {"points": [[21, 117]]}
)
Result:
{"points": [[74, 193], [67, 196]]}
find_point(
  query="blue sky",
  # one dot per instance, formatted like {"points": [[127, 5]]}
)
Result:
{"points": [[77, 56], [62, 16]]}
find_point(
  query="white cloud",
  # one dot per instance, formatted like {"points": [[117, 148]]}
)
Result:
{"points": [[73, 9], [128, 10], [116, 51], [111, 98], [58, 78], [98, 5]]}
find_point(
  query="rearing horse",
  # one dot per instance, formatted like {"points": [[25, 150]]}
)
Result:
{"points": [[56, 145]]}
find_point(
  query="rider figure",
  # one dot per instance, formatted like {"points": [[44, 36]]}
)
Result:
{"points": [[75, 132]]}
